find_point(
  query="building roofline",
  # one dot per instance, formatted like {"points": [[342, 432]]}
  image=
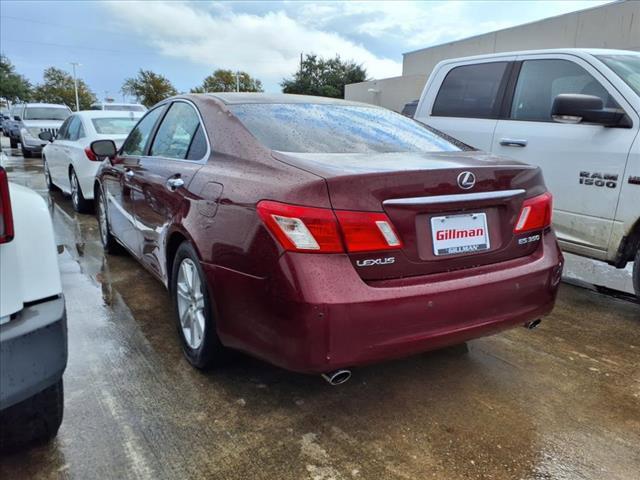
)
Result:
{"points": [[613, 2]]}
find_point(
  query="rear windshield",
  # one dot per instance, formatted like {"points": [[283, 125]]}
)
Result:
{"points": [[125, 108], [46, 113], [626, 66], [313, 128], [113, 126]]}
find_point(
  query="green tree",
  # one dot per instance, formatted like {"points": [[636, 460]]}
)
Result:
{"points": [[324, 78], [58, 87], [226, 81], [13, 87], [149, 87]]}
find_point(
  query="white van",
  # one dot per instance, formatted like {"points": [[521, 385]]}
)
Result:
{"points": [[573, 112]]}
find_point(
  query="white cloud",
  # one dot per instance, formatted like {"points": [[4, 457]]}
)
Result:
{"points": [[267, 46], [420, 24]]}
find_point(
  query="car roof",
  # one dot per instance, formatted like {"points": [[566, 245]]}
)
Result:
{"points": [[117, 103], [48, 105], [108, 114], [580, 52], [234, 98]]}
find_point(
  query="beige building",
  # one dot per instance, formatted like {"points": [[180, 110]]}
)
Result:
{"points": [[614, 25]]}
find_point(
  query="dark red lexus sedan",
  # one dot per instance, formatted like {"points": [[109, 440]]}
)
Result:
{"points": [[321, 234]]}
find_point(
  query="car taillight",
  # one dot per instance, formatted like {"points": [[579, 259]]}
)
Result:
{"points": [[306, 229], [6, 217], [322, 230], [367, 231], [535, 213], [90, 155]]}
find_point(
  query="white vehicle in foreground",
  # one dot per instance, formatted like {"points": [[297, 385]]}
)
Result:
{"points": [[573, 112], [69, 163], [33, 324]]}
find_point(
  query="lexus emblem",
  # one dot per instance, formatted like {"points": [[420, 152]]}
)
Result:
{"points": [[466, 180]]}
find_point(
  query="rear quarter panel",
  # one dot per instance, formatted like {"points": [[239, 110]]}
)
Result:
{"points": [[29, 262], [239, 173]]}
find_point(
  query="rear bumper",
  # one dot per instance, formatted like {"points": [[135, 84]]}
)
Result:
{"points": [[316, 314], [33, 351]]}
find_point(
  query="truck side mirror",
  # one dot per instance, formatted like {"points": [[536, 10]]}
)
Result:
{"points": [[578, 108]]}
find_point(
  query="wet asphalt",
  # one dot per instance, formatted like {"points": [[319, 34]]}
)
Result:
{"points": [[558, 402]]}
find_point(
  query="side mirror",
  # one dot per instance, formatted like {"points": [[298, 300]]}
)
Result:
{"points": [[46, 136], [577, 108], [17, 118], [104, 149]]}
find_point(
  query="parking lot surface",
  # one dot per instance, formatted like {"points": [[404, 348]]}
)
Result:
{"points": [[558, 402]]}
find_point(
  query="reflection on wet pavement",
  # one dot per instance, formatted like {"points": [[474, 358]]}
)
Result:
{"points": [[559, 402]]}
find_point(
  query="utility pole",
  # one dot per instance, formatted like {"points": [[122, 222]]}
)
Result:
{"points": [[237, 81], [301, 62], [75, 84]]}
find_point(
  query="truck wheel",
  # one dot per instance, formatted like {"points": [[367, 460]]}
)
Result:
{"points": [[636, 274], [13, 142], [193, 310], [34, 420]]}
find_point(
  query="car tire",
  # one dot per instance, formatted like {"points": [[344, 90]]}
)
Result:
{"points": [[47, 176], [636, 274], [109, 242], [34, 420], [193, 310], [13, 142], [26, 153], [80, 204]]}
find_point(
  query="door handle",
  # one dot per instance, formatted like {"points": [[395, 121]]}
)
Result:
{"points": [[512, 142], [129, 173], [174, 183]]}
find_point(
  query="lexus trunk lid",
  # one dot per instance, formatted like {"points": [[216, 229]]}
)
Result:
{"points": [[431, 207]]}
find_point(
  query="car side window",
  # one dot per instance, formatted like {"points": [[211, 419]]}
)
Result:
{"points": [[540, 81], [136, 142], [198, 147], [176, 132], [471, 91], [64, 128], [73, 130]]}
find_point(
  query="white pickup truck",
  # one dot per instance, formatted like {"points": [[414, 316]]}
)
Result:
{"points": [[573, 112], [33, 325]]}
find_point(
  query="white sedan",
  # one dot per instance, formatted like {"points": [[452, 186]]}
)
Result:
{"points": [[69, 164]]}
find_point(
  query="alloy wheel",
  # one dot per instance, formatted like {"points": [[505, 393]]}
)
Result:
{"points": [[74, 189], [47, 174], [190, 302], [102, 220]]}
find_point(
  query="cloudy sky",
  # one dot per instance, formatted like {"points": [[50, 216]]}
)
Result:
{"points": [[186, 41]]}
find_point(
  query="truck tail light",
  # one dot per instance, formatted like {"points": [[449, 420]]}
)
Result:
{"points": [[6, 216], [90, 155], [322, 230], [535, 214]]}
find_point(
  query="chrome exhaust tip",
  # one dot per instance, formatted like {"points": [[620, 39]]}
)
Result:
{"points": [[338, 377], [533, 324]]}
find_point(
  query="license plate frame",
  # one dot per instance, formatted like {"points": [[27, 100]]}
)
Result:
{"points": [[462, 234]]}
